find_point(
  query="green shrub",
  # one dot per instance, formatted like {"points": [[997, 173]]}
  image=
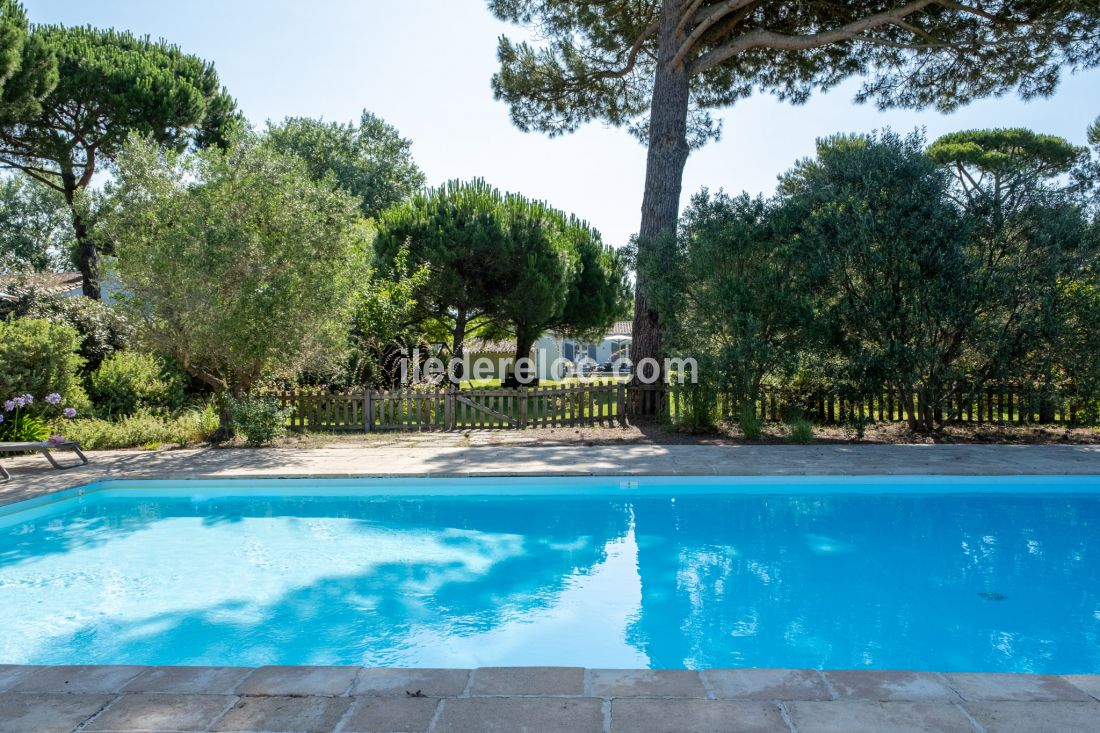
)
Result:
{"points": [[24, 428], [697, 409], [752, 427], [260, 419], [801, 431], [143, 429], [101, 328], [39, 357], [129, 381]]}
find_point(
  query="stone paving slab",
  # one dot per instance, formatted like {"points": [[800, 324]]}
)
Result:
{"points": [[891, 686], [393, 682], [767, 684], [520, 715], [47, 713], [1036, 717], [319, 681], [391, 715], [848, 716], [284, 714], [645, 683], [76, 679], [1088, 683], [1025, 687], [189, 680], [148, 711], [537, 700], [629, 715], [528, 681]]}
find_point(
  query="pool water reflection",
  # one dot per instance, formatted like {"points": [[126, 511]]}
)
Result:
{"points": [[1004, 582]]}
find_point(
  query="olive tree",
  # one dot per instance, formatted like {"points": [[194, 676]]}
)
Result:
{"points": [[238, 264]]}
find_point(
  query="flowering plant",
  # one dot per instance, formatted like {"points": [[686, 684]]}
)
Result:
{"points": [[21, 423]]}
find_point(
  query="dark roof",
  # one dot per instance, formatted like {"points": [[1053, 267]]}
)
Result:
{"points": [[621, 328]]}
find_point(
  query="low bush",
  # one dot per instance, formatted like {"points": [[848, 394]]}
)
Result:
{"points": [[129, 381], [752, 427], [39, 357], [801, 431], [144, 429], [259, 419], [697, 410]]}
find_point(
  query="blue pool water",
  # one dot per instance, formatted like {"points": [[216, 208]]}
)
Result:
{"points": [[995, 574]]}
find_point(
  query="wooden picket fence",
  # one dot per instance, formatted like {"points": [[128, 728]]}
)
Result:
{"points": [[459, 409], [614, 403], [996, 404]]}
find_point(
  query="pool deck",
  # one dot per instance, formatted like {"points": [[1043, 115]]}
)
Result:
{"points": [[538, 700], [542, 700], [32, 475]]}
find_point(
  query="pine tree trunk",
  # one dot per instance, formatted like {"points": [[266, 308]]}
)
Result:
{"points": [[668, 152], [87, 255], [458, 336], [524, 341]]}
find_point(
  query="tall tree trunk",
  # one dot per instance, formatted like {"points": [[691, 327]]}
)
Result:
{"points": [[668, 152], [524, 341], [457, 337], [87, 255]]}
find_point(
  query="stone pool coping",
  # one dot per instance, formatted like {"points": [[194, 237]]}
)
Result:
{"points": [[537, 699], [32, 476]]}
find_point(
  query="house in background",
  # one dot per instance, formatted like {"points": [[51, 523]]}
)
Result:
{"points": [[550, 348], [63, 284]]}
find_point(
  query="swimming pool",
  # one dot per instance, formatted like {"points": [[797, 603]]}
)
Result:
{"points": [[942, 573]]}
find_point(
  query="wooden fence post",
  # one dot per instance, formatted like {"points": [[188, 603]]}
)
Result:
{"points": [[522, 416], [368, 417]]}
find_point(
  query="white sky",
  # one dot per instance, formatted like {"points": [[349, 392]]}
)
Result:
{"points": [[425, 66]]}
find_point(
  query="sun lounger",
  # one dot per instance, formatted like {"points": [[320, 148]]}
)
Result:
{"points": [[44, 448]]}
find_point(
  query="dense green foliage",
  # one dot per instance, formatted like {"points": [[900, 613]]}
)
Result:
{"points": [[384, 322], [370, 161], [731, 293], [36, 230], [107, 84], [28, 68], [238, 263], [880, 263], [132, 380], [39, 357]]}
